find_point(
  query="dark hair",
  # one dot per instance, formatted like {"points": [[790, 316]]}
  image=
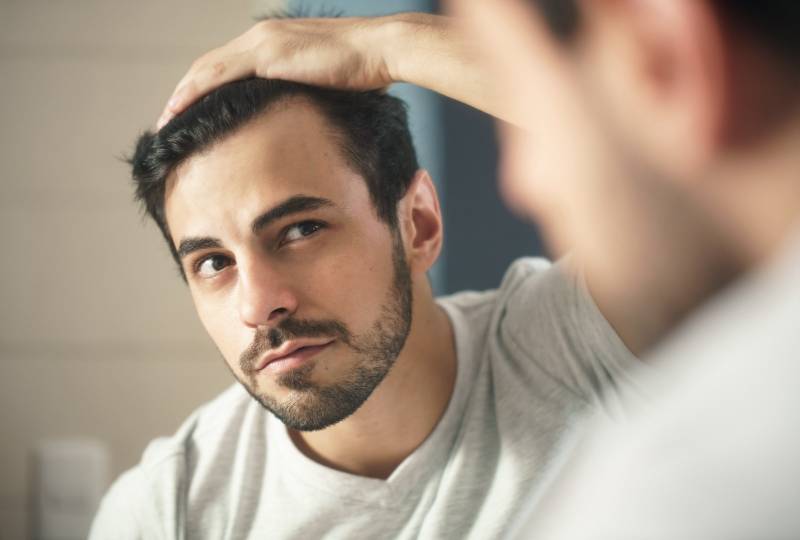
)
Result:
{"points": [[774, 22], [561, 16], [371, 129]]}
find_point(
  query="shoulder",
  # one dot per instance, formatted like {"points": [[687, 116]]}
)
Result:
{"points": [[542, 327], [524, 269], [155, 492], [207, 427], [539, 280], [503, 326], [122, 514], [539, 300], [482, 305], [531, 289]]}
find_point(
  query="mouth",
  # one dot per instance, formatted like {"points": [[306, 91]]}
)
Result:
{"points": [[292, 354]]}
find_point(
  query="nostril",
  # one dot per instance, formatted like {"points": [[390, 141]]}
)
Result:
{"points": [[278, 312]]}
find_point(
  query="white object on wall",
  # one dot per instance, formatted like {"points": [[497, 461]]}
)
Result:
{"points": [[69, 478]]}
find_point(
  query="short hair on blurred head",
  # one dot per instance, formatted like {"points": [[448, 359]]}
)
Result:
{"points": [[774, 22]]}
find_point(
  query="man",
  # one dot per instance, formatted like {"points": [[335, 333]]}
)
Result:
{"points": [[366, 408], [662, 143], [700, 101]]}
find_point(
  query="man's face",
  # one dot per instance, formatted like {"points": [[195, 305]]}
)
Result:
{"points": [[303, 289]]}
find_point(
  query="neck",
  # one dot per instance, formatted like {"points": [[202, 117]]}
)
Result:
{"points": [[734, 218], [404, 408]]}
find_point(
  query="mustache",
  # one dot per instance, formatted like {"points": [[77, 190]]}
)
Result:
{"points": [[266, 339]]}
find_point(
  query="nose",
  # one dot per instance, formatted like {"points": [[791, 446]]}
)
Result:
{"points": [[265, 293]]}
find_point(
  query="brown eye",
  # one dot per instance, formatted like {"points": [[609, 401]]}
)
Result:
{"points": [[301, 230], [212, 265]]}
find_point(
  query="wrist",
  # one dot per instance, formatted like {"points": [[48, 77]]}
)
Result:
{"points": [[396, 40]]}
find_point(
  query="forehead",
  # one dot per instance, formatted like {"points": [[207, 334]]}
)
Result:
{"points": [[289, 150]]}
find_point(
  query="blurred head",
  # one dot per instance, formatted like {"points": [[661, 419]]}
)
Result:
{"points": [[647, 133], [301, 223]]}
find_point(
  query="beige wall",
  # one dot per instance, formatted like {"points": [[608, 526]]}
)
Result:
{"points": [[98, 336]]}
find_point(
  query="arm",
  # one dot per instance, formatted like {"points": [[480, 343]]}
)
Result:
{"points": [[430, 51], [352, 53]]}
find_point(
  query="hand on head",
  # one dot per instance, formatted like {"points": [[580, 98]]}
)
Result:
{"points": [[340, 53]]}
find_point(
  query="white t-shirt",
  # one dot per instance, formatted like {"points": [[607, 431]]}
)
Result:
{"points": [[715, 453], [531, 356]]}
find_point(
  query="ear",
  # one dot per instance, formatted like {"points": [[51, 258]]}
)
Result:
{"points": [[659, 68], [420, 222]]}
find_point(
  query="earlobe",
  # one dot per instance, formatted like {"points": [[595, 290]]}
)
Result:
{"points": [[421, 222]]}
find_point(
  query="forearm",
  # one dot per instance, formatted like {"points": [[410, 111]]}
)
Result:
{"points": [[433, 52]]}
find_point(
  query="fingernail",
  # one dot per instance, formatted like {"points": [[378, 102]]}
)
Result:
{"points": [[173, 101]]}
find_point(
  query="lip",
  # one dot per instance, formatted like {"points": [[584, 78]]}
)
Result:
{"points": [[297, 351]]}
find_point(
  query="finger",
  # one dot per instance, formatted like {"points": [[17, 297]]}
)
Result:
{"points": [[205, 78], [221, 54], [215, 55]]}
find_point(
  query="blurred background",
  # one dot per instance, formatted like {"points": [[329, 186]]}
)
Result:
{"points": [[100, 348]]}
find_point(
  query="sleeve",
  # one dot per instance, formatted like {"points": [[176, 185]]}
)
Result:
{"points": [[550, 324], [118, 516]]}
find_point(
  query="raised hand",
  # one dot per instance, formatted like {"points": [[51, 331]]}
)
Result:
{"points": [[347, 53]]}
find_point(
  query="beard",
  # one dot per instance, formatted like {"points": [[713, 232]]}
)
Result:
{"points": [[312, 406]]}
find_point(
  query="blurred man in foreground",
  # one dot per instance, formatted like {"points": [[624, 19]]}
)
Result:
{"points": [[696, 104]]}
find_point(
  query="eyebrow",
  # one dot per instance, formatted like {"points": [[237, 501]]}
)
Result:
{"points": [[292, 205], [190, 245]]}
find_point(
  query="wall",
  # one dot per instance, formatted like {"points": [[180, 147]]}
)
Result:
{"points": [[98, 337], [483, 236]]}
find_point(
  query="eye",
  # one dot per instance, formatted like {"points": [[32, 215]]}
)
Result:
{"points": [[212, 265], [301, 230]]}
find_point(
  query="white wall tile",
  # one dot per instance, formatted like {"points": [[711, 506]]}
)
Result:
{"points": [[98, 336], [124, 398]]}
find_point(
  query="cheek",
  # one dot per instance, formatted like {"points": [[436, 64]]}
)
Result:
{"points": [[349, 283], [221, 321], [350, 286]]}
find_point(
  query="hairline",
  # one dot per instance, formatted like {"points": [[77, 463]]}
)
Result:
{"points": [[281, 103], [337, 134]]}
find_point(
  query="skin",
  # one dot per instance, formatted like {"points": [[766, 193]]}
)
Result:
{"points": [[343, 271], [559, 161], [657, 147], [355, 53], [662, 147]]}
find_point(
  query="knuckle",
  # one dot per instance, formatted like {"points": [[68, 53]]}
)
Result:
{"points": [[188, 88], [218, 69], [262, 28], [203, 60]]}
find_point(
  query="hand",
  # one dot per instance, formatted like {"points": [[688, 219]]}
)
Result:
{"points": [[343, 53]]}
